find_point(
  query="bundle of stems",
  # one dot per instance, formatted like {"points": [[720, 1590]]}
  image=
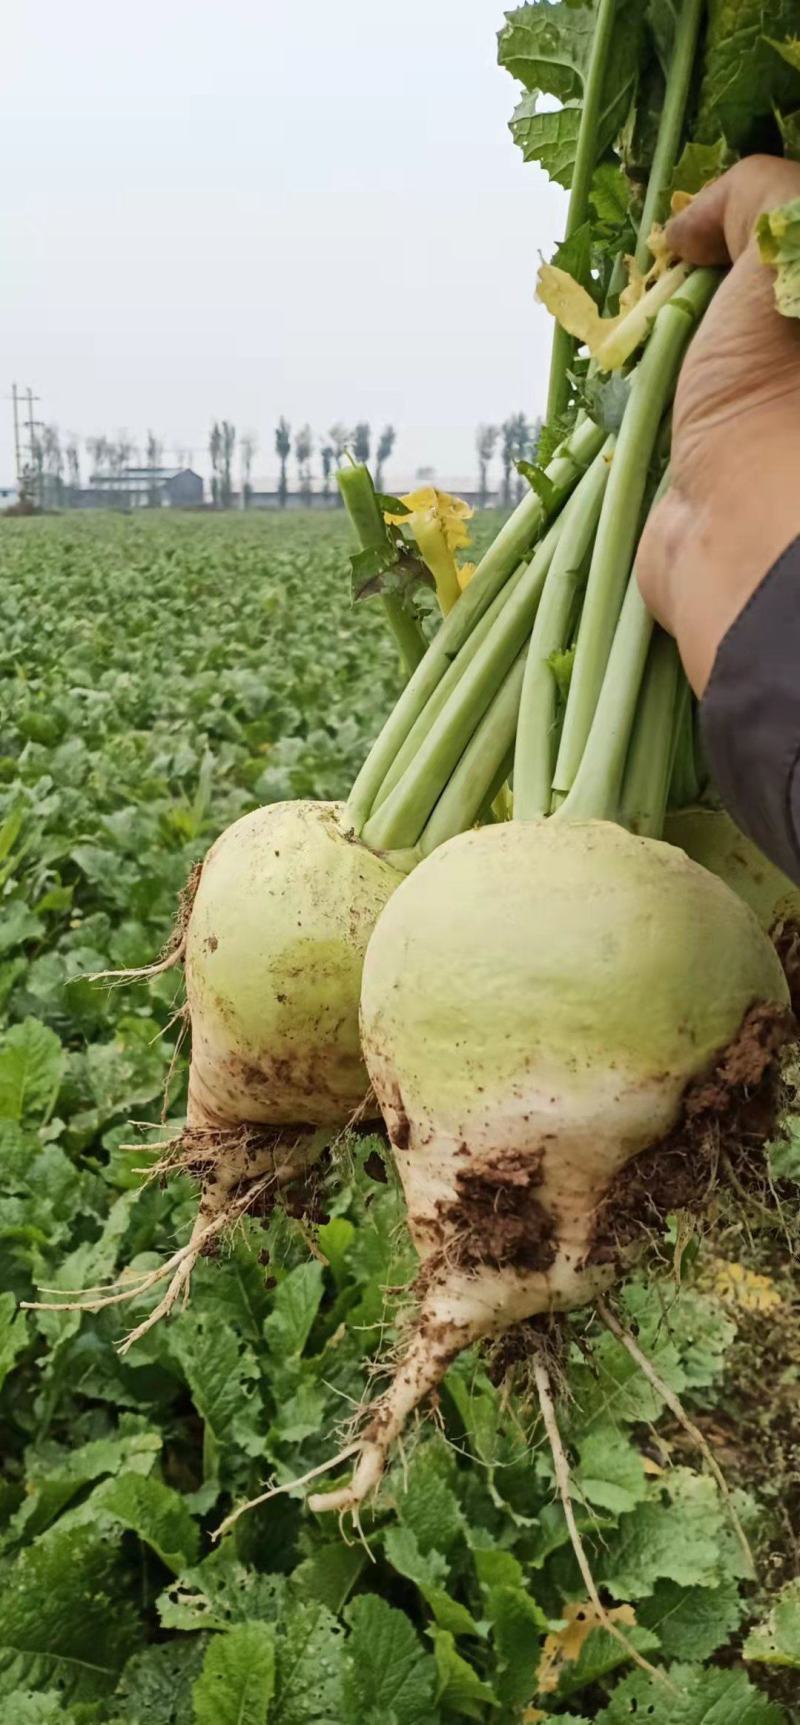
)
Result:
{"points": [[482, 702]]}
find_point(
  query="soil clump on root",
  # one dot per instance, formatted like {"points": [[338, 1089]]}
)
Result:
{"points": [[728, 1115], [497, 1218]]}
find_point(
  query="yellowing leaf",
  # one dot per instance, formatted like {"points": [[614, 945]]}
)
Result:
{"points": [[565, 1645], [612, 340], [465, 573], [449, 513], [571, 305], [438, 523], [650, 1466], [680, 201], [737, 1286]]}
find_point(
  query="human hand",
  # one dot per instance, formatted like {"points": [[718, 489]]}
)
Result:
{"points": [[734, 501]]}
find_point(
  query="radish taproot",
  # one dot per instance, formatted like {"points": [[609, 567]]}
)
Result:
{"points": [[274, 932], [538, 1000]]}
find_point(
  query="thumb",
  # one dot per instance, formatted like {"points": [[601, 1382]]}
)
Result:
{"points": [[718, 225]]}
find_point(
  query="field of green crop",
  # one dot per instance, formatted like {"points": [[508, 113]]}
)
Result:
{"points": [[158, 678]]}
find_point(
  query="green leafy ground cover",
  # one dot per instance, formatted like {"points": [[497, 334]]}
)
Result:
{"points": [[157, 678]]}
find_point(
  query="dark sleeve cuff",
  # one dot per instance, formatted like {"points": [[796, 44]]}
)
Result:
{"points": [[750, 716]]}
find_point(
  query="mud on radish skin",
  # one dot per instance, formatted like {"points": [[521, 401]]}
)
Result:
{"points": [[273, 945], [538, 1000]]}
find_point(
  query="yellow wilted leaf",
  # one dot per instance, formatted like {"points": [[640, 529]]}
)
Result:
{"points": [[564, 1646], [650, 1466], [572, 306], [612, 340], [439, 525], [680, 201], [449, 513], [465, 573], [735, 1285]]}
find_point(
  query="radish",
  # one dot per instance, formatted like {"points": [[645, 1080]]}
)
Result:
{"points": [[273, 944], [538, 1001], [285, 905]]}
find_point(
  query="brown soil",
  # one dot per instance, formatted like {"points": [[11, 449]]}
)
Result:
{"points": [[206, 1154], [733, 1110], [497, 1219]]}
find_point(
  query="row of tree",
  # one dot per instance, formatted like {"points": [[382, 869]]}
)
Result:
{"points": [[55, 474], [331, 453], [518, 441]]}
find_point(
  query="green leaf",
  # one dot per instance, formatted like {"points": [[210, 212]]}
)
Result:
{"points": [[156, 1685], [221, 1374], [31, 1064], [561, 662], [744, 80], [550, 138], [26, 1708], [699, 164], [459, 1689], [14, 1335], [429, 1573], [611, 1473], [55, 1477], [18, 926], [692, 1622], [784, 1153], [237, 1681], [295, 1306], [607, 398], [612, 1389], [518, 1625], [389, 568], [429, 1505], [790, 132], [601, 1654], [537, 480], [311, 1669], [89, 1265], [62, 1621], [776, 1641], [330, 1575], [575, 256], [389, 1673], [547, 48], [703, 1698], [219, 1592], [789, 51], [679, 1540], [160, 1516], [610, 195]]}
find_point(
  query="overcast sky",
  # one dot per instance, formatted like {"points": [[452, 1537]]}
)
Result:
{"points": [[256, 207]]}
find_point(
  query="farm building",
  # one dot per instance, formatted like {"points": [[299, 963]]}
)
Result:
{"points": [[137, 487]]}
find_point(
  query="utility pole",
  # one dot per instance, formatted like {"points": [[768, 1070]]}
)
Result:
{"points": [[17, 446], [22, 401]]}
